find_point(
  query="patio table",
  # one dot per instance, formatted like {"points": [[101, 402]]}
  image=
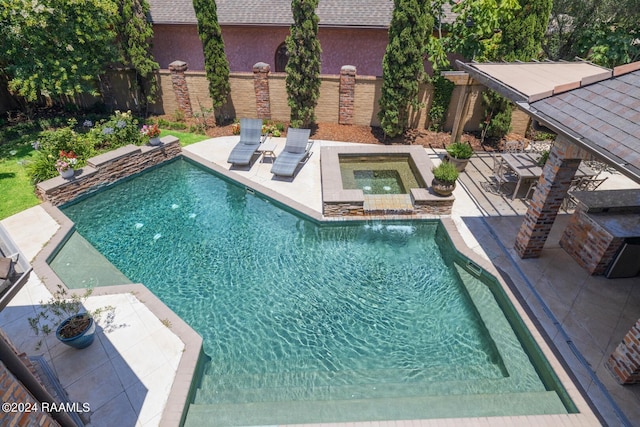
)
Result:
{"points": [[526, 167], [268, 149]]}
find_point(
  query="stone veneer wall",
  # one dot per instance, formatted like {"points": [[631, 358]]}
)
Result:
{"points": [[108, 168], [589, 244], [624, 362]]}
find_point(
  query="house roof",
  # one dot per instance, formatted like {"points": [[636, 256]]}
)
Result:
{"points": [[598, 109], [332, 13], [350, 13]]}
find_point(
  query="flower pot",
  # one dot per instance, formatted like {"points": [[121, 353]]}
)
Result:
{"points": [[154, 141], [442, 188], [83, 339], [460, 164], [66, 174]]}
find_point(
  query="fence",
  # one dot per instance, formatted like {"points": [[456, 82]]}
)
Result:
{"points": [[345, 98]]}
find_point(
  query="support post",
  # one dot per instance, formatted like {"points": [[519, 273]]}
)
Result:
{"points": [[180, 88], [347, 94], [261, 87]]}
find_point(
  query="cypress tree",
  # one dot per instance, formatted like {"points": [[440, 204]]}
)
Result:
{"points": [[215, 60], [522, 35], [135, 35], [303, 67], [402, 65]]}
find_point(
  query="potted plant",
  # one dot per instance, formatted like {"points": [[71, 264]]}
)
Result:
{"points": [[152, 132], [74, 326], [459, 154], [444, 178], [65, 163]]}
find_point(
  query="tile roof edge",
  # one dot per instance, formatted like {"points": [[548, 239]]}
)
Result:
{"points": [[626, 68]]}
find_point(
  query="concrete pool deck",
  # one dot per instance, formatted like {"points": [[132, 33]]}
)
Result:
{"points": [[145, 404]]}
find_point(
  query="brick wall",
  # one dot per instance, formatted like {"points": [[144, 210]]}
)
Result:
{"points": [[366, 95], [624, 362], [106, 169], [14, 392], [589, 244]]}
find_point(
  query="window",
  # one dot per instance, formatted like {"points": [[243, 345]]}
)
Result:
{"points": [[282, 57]]}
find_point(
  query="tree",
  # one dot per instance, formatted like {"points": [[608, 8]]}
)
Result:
{"points": [[56, 47], [303, 67], [136, 34], [605, 32], [476, 32], [403, 65], [522, 36], [215, 60]]}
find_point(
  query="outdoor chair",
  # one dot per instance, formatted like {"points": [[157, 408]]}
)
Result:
{"points": [[250, 139], [501, 173], [592, 184], [296, 151], [513, 147], [7, 270]]}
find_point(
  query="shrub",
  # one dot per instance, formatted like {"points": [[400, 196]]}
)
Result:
{"points": [[445, 172], [49, 145], [460, 150]]}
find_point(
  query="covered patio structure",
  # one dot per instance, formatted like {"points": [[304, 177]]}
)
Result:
{"points": [[595, 113]]}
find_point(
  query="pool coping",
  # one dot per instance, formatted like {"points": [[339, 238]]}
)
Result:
{"points": [[182, 387], [180, 394]]}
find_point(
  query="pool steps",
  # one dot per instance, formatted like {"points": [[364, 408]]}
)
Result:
{"points": [[326, 411]]}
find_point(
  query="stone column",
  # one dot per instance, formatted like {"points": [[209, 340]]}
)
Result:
{"points": [[261, 87], [624, 362], [347, 94], [552, 187], [180, 88]]}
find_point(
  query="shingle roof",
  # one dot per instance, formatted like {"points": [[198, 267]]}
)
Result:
{"points": [[596, 108], [358, 13], [605, 115]]}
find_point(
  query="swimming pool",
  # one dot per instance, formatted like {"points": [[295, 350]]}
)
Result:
{"points": [[310, 323]]}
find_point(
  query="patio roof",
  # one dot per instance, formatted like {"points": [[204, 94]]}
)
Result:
{"points": [[596, 108]]}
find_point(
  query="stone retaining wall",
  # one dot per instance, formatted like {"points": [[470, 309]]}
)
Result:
{"points": [[106, 169]]}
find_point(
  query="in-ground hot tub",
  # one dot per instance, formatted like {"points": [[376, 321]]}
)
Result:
{"points": [[375, 180], [379, 174]]}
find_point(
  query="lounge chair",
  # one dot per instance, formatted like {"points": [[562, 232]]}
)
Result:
{"points": [[250, 139], [296, 151]]}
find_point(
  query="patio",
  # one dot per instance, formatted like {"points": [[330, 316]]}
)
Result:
{"points": [[585, 316]]}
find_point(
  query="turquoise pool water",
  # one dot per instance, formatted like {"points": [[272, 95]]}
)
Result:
{"points": [[299, 319]]}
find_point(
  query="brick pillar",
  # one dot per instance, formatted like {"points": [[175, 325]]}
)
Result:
{"points": [[552, 188], [624, 362], [347, 94], [261, 87], [180, 88]]}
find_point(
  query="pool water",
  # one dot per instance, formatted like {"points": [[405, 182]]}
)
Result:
{"points": [[378, 174], [296, 315]]}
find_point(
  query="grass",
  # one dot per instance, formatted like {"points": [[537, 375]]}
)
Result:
{"points": [[15, 184], [185, 138], [15, 153]]}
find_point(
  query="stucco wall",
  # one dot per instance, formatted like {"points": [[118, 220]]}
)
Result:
{"points": [[246, 46]]}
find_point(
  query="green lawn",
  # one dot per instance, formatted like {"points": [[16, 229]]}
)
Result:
{"points": [[17, 191], [185, 138]]}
